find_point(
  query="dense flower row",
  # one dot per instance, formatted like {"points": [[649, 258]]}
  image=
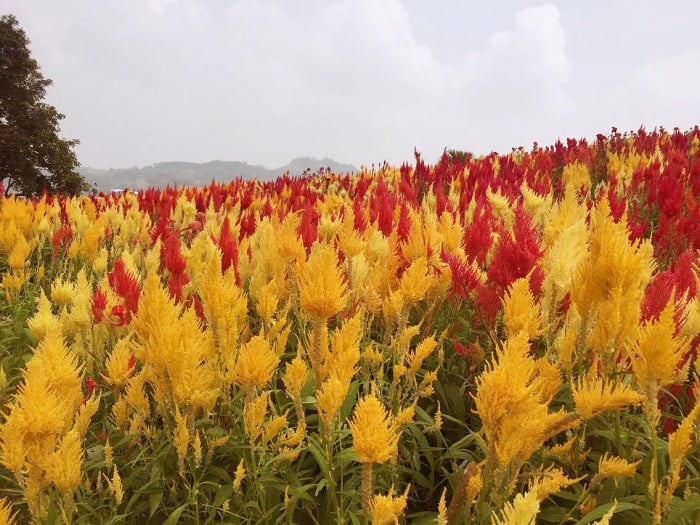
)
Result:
{"points": [[488, 338]]}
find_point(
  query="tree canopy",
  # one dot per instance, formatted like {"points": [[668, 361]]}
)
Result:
{"points": [[33, 158]]}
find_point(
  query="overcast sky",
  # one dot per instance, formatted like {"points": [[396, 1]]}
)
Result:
{"points": [[360, 81]]}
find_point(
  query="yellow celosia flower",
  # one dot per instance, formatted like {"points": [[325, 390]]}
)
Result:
{"points": [[238, 477], [512, 401], [437, 425], [423, 350], [330, 398], [442, 508], [120, 363], [679, 443], [388, 509], [255, 364], [522, 511], [501, 207], [62, 293], [43, 321], [536, 205], [181, 439], [85, 413], [521, 311], [344, 353], [416, 281], [20, 251], [616, 467], [392, 305], [576, 175], [197, 449], [322, 286], [267, 300], [551, 481], [295, 377], [657, 352], [254, 414], [374, 433], [273, 427], [121, 412], [406, 415], [115, 485], [293, 439], [598, 396], [7, 517], [614, 271], [605, 520], [109, 455], [64, 466]]}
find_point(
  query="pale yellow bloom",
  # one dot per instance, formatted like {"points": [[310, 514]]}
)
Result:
{"points": [[521, 311], [20, 251], [63, 466], [322, 286], [388, 509], [109, 455], [521, 511], [551, 481], [679, 443], [120, 363], [657, 352], [238, 477], [273, 427], [115, 485], [181, 439], [254, 414], [616, 467], [415, 282], [256, 363], [442, 508], [295, 377], [330, 398], [598, 396], [374, 433], [7, 517]]}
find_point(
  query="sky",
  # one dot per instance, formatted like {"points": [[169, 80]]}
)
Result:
{"points": [[359, 81]]}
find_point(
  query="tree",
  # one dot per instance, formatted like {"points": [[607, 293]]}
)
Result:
{"points": [[33, 158]]}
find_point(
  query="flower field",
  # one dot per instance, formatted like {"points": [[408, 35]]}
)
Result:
{"points": [[507, 339]]}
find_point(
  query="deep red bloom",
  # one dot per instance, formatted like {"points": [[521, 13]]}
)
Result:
{"points": [[125, 286], [515, 254], [98, 303], [172, 256], [119, 316], [90, 385]]}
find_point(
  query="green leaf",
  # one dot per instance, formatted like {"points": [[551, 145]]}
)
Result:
{"points": [[683, 511], [175, 515], [599, 512], [154, 501]]}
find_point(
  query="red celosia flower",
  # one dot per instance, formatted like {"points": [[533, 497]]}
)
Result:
{"points": [[172, 256], [515, 254], [90, 385], [119, 316], [98, 303], [125, 286]]}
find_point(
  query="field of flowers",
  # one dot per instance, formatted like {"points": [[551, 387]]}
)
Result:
{"points": [[504, 339]]}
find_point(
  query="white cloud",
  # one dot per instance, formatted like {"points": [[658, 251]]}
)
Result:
{"points": [[265, 81]]}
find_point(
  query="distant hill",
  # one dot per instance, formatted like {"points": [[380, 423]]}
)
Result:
{"points": [[193, 174]]}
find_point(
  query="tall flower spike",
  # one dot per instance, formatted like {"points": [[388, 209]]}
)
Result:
{"points": [[322, 286], [388, 509], [374, 435], [256, 364]]}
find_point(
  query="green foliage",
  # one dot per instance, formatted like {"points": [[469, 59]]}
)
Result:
{"points": [[33, 158]]}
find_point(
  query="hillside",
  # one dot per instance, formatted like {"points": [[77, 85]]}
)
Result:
{"points": [[193, 174]]}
